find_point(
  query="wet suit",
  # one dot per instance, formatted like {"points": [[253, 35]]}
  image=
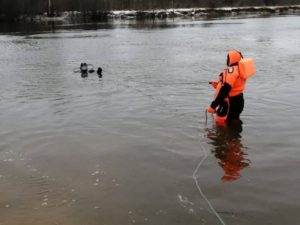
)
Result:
{"points": [[232, 88]]}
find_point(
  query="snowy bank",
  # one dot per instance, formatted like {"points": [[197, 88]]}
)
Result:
{"points": [[195, 13]]}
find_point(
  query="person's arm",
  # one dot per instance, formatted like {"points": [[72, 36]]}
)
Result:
{"points": [[229, 80], [223, 93]]}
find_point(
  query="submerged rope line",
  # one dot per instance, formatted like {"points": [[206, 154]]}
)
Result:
{"points": [[199, 187]]}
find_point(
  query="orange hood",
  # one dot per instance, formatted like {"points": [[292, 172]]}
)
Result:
{"points": [[233, 57]]}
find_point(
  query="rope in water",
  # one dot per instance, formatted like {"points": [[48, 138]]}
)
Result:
{"points": [[198, 185]]}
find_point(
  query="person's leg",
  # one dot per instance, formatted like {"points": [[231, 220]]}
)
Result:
{"points": [[236, 108]]}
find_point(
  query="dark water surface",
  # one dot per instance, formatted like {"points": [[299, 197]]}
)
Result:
{"points": [[122, 150]]}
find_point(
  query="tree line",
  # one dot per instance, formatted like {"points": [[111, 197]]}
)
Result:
{"points": [[18, 7]]}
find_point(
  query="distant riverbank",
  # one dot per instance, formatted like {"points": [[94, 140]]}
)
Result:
{"points": [[160, 14]]}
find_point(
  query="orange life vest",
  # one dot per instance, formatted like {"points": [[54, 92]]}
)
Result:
{"points": [[231, 76], [246, 68]]}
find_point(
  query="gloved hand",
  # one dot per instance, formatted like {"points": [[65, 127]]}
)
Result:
{"points": [[211, 110], [213, 83]]}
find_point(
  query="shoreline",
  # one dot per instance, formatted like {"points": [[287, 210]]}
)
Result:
{"points": [[194, 13]]}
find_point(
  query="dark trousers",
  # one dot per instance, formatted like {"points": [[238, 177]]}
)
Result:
{"points": [[236, 107]]}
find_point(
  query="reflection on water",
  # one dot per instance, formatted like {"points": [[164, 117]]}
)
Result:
{"points": [[51, 26], [229, 150]]}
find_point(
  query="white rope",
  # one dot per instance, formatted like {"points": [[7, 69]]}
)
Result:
{"points": [[199, 187]]}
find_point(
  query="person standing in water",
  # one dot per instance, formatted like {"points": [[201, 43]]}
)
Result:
{"points": [[228, 103]]}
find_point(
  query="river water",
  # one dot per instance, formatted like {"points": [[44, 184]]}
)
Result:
{"points": [[122, 150]]}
